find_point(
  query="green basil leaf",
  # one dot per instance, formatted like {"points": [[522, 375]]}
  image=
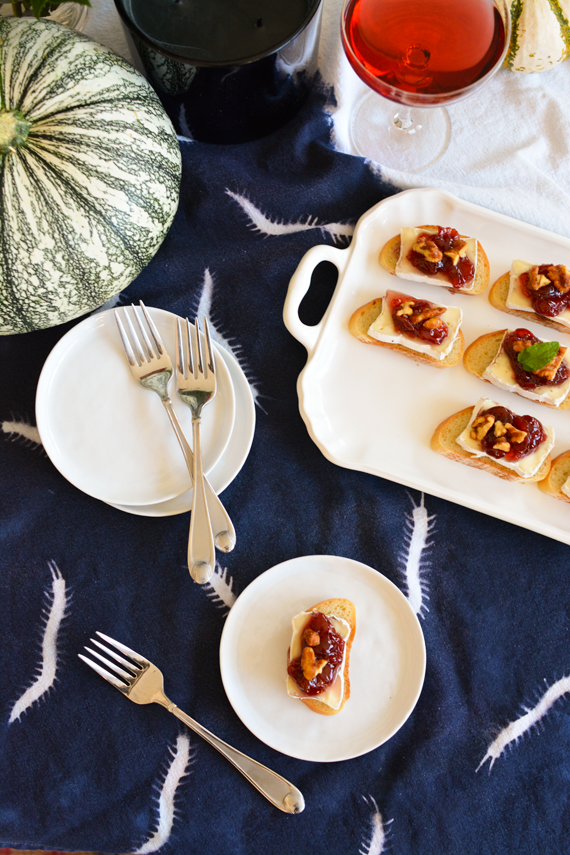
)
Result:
{"points": [[538, 355]]}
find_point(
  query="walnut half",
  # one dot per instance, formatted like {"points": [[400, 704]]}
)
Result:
{"points": [[310, 665], [426, 314], [426, 247], [311, 638], [536, 280], [549, 371], [481, 427]]}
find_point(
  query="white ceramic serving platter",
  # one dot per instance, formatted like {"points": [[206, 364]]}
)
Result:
{"points": [[106, 434], [387, 661], [374, 410], [233, 458]]}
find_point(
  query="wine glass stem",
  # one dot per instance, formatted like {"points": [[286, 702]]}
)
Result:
{"points": [[403, 119]]}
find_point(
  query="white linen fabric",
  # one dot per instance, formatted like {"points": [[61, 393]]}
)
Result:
{"points": [[510, 142]]}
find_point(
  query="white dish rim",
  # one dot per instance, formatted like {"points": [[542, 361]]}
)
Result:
{"points": [[43, 403]]}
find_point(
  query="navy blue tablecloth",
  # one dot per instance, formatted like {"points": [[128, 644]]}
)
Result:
{"points": [[481, 766]]}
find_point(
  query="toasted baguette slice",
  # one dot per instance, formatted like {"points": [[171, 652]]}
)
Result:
{"points": [[498, 298], [479, 355], [444, 442], [559, 472], [342, 609], [390, 253], [361, 320]]}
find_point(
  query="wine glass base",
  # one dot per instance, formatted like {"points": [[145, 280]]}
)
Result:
{"points": [[376, 136]]}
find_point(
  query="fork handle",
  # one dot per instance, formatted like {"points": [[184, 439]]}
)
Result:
{"points": [[222, 526], [278, 790], [201, 552]]}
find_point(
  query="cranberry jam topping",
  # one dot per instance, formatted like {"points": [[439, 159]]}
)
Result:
{"points": [[321, 657], [441, 253], [503, 434], [548, 288], [417, 318], [520, 339]]}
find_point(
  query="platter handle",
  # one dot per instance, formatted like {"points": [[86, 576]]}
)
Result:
{"points": [[300, 284]]}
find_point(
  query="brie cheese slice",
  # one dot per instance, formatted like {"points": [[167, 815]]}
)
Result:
{"points": [[565, 488], [383, 329], [527, 466], [332, 696], [406, 270], [517, 299], [500, 373]]}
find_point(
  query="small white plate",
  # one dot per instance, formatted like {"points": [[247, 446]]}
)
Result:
{"points": [[387, 660], [106, 434], [233, 458]]}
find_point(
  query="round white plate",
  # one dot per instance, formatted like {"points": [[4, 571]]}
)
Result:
{"points": [[233, 458], [387, 660], [106, 434]]}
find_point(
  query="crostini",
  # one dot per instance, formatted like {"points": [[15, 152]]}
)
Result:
{"points": [[439, 256], [518, 361], [536, 292], [318, 658], [557, 482], [491, 437], [425, 331]]}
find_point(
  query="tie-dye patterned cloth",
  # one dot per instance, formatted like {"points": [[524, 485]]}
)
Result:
{"points": [[481, 766]]}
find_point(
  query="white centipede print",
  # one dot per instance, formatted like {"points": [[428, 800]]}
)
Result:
{"points": [[55, 610], [182, 756], [340, 232], [419, 526], [515, 731], [21, 430], [230, 344], [219, 588], [376, 835]]}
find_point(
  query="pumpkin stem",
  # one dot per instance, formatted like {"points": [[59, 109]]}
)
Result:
{"points": [[14, 129]]}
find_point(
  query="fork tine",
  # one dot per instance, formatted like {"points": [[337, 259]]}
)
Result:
{"points": [[118, 684], [153, 329], [198, 352], [189, 347], [126, 343], [134, 668], [128, 678], [135, 339], [136, 657], [179, 349], [209, 348]]}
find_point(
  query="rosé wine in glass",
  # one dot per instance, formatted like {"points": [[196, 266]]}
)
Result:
{"points": [[421, 54]]}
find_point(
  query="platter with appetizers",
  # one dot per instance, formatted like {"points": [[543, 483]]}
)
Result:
{"points": [[481, 297]]}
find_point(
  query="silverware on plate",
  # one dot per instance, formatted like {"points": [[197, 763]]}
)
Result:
{"points": [[196, 385], [152, 367], [142, 682]]}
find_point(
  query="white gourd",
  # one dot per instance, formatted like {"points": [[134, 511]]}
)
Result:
{"points": [[540, 35]]}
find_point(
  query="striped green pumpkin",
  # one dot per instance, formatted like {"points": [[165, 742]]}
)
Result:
{"points": [[89, 174], [540, 36]]}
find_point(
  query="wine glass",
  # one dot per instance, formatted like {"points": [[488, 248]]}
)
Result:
{"points": [[420, 54]]}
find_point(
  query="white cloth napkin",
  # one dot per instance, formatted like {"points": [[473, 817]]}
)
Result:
{"points": [[510, 142]]}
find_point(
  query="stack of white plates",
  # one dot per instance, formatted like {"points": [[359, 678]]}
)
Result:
{"points": [[113, 439]]}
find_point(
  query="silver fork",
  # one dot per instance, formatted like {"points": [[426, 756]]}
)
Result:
{"points": [[142, 682], [196, 384], [152, 367]]}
